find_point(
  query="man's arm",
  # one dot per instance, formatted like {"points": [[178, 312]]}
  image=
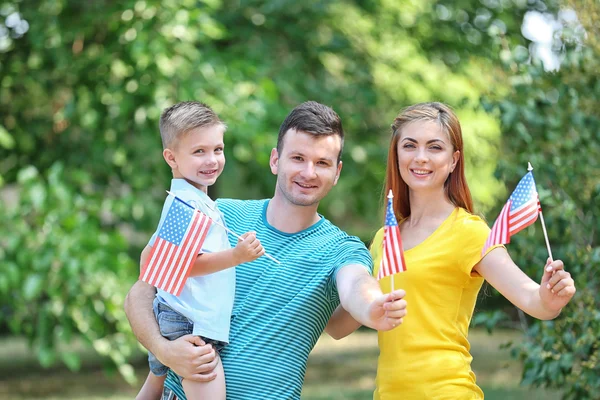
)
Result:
{"points": [[361, 296], [187, 356]]}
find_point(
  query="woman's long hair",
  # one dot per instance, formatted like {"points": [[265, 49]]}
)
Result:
{"points": [[456, 187]]}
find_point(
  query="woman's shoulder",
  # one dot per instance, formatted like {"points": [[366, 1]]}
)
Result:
{"points": [[470, 223], [378, 238]]}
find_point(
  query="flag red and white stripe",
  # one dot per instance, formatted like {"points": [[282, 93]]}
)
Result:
{"points": [[392, 261], [520, 211], [177, 245]]}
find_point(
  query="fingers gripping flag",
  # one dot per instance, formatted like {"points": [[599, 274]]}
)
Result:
{"points": [[178, 242], [520, 211], [392, 261]]}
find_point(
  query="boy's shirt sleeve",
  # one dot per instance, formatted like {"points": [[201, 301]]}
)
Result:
{"points": [[163, 215]]}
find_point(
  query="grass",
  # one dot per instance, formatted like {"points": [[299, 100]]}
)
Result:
{"points": [[342, 369]]}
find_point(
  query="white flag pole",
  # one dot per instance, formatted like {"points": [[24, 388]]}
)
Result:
{"points": [[391, 196], [224, 227], [530, 168]]}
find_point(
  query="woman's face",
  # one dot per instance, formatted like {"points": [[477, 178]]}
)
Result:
{"points": [[425, 156]]}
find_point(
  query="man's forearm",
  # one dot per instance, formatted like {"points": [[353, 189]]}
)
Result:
{"points": [[359, 292], [361, 296], [138, 308]]}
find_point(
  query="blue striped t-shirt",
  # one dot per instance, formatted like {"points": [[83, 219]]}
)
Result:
{"points": [[281, 310]]}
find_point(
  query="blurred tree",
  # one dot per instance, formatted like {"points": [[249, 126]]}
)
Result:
{"points": [[552, 120]]}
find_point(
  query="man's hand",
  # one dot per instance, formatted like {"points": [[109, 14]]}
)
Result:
{"points": [[361, 296], [388, 310], [190, 358]]}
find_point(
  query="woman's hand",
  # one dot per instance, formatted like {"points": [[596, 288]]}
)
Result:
{"points": [[557, 287]]}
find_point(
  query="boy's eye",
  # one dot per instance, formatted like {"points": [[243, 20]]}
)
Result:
{"points": [[199, 151], [218, 150]]}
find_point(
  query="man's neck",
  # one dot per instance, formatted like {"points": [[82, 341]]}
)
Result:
{"points": [[290, 218]]}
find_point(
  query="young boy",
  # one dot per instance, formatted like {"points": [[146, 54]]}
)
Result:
{"points": [[192, 137]]}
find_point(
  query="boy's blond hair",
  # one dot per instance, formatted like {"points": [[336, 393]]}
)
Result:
{"points": [[181, 118]]}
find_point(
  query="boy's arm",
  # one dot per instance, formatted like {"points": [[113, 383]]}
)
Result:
{"points": [[248, 249], [360, 294], [187, 356]]}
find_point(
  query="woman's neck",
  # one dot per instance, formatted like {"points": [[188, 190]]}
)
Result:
{"points": [[428, 207]]}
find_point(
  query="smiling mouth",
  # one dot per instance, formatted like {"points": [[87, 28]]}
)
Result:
{"points": [[420, 172], [305, 186], [209, 172]]}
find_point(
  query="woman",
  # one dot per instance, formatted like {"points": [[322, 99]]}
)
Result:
{"points": [[427, 357]]}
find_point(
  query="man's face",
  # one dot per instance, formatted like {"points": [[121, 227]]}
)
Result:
{"points": [[307, 167]]}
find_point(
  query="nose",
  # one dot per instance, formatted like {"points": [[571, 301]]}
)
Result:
{"points": [[309, 171], [421, 156], [212, 159]]}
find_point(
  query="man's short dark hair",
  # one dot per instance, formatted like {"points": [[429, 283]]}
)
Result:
{"points": [[315, 119]]}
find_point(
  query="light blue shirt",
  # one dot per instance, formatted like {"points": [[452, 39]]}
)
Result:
{"points": [[206, 300]]}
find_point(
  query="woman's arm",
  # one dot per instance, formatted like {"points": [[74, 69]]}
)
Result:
{"points": [[341, 324], [544, 301]]}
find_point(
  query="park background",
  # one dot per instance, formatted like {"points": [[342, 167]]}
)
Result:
{"points": [[82, 181]]}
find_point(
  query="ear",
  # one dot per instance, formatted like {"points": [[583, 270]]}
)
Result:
{"points": [[455, 158], [337, 173], [169, 157], [274, 161]]}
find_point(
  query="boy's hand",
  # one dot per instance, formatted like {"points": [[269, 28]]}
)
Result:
{"points": [[248, 248]]}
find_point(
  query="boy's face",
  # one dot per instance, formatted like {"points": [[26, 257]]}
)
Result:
{"points": [[307, 167], [198, 156]]}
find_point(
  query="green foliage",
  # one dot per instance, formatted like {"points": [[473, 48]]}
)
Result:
{"points": [[65, 269], [551, 120]]}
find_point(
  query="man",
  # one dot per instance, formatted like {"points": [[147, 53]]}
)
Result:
{"points": [[281, 310]]}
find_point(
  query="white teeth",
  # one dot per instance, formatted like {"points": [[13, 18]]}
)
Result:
{"points": [[420, 172]]}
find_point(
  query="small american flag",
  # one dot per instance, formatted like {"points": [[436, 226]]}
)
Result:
{"points": [[520, 211], [392, 261], [178, 242]]}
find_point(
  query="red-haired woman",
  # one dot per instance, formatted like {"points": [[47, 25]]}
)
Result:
{"points": [[427, 356]]}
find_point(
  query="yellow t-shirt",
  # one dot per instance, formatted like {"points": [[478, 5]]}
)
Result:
{"points": [[427, 357]]}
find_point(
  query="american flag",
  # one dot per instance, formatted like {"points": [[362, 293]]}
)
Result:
{"points": [[392, 261], [520, 211], [178, 242]]}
